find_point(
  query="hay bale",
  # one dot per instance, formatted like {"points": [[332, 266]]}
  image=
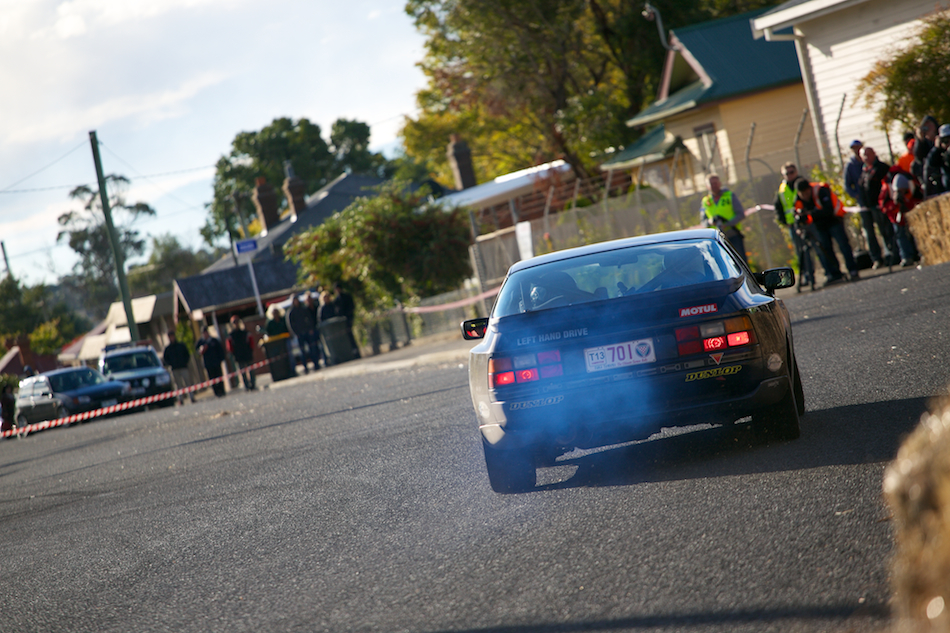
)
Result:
{"points": [[929, 223], [917, 488]]}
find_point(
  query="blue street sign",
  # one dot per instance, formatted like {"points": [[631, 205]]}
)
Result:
{"points": [[246, 246]]}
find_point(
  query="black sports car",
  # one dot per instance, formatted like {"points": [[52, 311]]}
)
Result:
{"points": [[609, 343]]}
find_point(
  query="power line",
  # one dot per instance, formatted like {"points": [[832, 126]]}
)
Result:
{"points": [[188, 205], [55, 187], [4, 190]]}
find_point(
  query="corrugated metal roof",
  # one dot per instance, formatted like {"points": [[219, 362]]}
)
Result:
{"points": [[654, 145]]}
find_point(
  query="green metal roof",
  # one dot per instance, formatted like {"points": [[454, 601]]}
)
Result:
{"points": [[656, 144], [735, 63]]}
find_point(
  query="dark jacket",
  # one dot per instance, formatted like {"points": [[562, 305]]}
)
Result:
{"points": [[176, 355], [871, 179], [213, 354], [299, 321], [933, 181], [820, 208], [241, 345], [852, 180]]}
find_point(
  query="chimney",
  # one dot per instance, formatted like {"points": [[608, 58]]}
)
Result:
{"points": [[460, 159], [265, 199], [294, 189]]}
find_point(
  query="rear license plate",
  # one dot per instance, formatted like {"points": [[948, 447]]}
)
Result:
{"points": [[108, 403], [138, 391], [620, 355]]}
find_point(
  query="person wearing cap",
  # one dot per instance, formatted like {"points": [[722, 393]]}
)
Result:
{"points": [[896, 199], [816, 205], [241, 345], [934, 181], [177, 357]]}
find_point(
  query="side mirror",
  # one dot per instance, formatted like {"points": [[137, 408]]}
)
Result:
{"points": [[474, 329], [775, 278]]}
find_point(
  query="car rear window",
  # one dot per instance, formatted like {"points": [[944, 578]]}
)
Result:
{"points": [[127, 362], [613, 274]]}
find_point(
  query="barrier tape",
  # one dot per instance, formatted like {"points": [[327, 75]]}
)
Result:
{"points": [[131, 404], [461, 303]]}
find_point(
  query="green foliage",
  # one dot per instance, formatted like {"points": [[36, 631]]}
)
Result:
{"points": [[86, 233], [262, 155], [9, 379], [168, 261], [394, 246], [529, 81], [47, 339], [913, 81]]}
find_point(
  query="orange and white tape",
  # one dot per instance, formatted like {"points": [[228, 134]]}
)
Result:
{"points": [[131, 404]]}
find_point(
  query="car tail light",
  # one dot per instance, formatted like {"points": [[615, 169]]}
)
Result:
{"points": [[509, 370], [714, 336]]}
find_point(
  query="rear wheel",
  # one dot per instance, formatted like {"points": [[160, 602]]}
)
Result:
{"points": [[509, 470], [799, 390], [21, 423], [781, 420]]}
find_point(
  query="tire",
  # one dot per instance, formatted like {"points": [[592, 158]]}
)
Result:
{"points": [[509, 470], [781, 420], [21, 423], [799, 390]]}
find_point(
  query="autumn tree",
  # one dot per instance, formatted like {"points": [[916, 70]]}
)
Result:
{"points": [[397, 245], [86, 233], [529, 81], [915, 80]]}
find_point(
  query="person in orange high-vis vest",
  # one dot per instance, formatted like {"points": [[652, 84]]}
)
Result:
{"points": [[817, 204]]}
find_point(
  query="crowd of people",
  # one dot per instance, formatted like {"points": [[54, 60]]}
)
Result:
{"points": [[814, 216], [300, 323]]}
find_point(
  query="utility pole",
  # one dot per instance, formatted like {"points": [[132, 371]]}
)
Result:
{"points": [[6, 260], [114, 241]]}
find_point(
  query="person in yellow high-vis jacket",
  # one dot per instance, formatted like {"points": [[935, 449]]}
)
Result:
{"points": [[722, 209]]}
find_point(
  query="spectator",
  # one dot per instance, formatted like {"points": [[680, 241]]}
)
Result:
{"points": [[926, 135], [906, 161], [7, 408], [327, 307], [871, 178], [897, 198], [724, 211], [785, 215], [177, 357], [240, 344], [212, 353], [935, 166], [816, 204], [346, 307], [852, 174], [301, 325], [945, 156]]}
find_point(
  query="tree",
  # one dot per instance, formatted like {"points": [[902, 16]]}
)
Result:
{"points": [[394, 246], [527, 81], [168, 261], [32, 311], [262, 154], [915, 81], [86, 233]]}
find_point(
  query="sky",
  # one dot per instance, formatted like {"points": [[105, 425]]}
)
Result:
{"points": [[166, 85]]}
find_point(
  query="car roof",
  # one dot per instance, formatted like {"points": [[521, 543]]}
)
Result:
{"points": [[600, 247], [121, 351]]}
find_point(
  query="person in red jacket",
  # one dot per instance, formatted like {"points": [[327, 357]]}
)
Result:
{"points": [[900, 192]]}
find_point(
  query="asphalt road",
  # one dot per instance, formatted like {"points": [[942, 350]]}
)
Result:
{"points": [[358, 501]]}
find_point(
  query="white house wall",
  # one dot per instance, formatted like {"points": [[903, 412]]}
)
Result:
{"points": [[842, 48]]}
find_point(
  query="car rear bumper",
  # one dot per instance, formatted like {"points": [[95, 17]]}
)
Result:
{"points": [[600, 420]]}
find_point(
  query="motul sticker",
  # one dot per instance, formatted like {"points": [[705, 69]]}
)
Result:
{"points": [[697, 310], [713, 373]]}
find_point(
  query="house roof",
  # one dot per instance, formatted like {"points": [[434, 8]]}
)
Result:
{"points": [[334, 197], [719, 60], [503, 188], [232, 287], [655, 145], [795, 11]]}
